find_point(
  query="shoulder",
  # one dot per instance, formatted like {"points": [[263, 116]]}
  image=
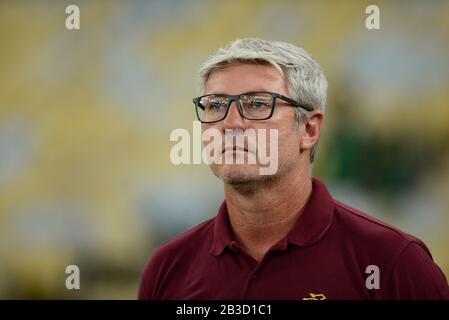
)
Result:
{"points": [[185, 243], [371, 232], [171, 255], [407, 269], [366, 240]]}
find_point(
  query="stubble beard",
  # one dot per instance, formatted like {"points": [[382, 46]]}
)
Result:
{"points": [[247, 180]]}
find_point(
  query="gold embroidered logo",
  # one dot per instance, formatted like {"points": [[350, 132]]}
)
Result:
{"points": [[315, 296]]}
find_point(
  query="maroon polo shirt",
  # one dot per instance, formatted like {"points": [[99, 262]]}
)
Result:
{"points": [[331, 253]]}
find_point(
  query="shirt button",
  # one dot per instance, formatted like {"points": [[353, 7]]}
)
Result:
{"points": [[234, 247]]}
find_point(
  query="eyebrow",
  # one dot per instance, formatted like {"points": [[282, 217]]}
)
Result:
{"points": [[251, 91]]}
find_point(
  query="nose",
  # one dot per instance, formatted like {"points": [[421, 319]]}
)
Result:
{"points": [[234, 119]]}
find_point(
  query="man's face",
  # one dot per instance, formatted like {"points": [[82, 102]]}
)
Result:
{"points": [[241, 78]]}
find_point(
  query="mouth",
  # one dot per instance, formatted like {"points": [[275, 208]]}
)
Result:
{"points": [[233, 148]]}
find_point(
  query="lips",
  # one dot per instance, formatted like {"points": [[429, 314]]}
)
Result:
{"points": [[233, 148]]}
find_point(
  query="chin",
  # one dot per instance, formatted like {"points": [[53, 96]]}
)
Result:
{"points": [[235, 174]]}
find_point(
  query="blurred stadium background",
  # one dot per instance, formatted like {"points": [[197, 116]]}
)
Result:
{"points": [[85, 118]]}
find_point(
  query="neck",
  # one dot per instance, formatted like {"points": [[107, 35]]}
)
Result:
{"points": [[263, 216]]}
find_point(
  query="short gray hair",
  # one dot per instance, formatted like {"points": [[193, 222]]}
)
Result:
{"points": [[306, 80]]}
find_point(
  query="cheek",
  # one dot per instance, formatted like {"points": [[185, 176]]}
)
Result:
{"points": [[289, 142], [289, 135]]}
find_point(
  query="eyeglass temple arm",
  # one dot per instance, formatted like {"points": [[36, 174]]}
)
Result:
{"points": [[295, 103]]}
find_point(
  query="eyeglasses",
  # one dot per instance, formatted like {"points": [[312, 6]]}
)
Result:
{"points": [[251, 105]]}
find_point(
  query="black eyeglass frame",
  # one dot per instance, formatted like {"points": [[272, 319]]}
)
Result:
{"points": [[236, 98]]}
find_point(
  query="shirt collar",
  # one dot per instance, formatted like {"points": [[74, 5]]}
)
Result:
{"points": [[222, 231], [312, 224]]}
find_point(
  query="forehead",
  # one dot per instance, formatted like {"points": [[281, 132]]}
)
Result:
{"points": [[245, 77]]}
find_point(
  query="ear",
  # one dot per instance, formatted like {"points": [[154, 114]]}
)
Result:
{"points": [[312, 125]]}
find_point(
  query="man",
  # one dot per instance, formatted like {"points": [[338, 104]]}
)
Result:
{"points": [[282, 236]]}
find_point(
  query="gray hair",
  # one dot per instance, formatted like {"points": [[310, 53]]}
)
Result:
{"points": [[306, 81]]}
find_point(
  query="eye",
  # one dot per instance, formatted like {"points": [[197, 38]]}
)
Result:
{"points": [[259, 104], [216, 105]]}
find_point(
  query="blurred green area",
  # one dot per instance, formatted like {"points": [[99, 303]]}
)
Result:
{"points": [[85, 118]]}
